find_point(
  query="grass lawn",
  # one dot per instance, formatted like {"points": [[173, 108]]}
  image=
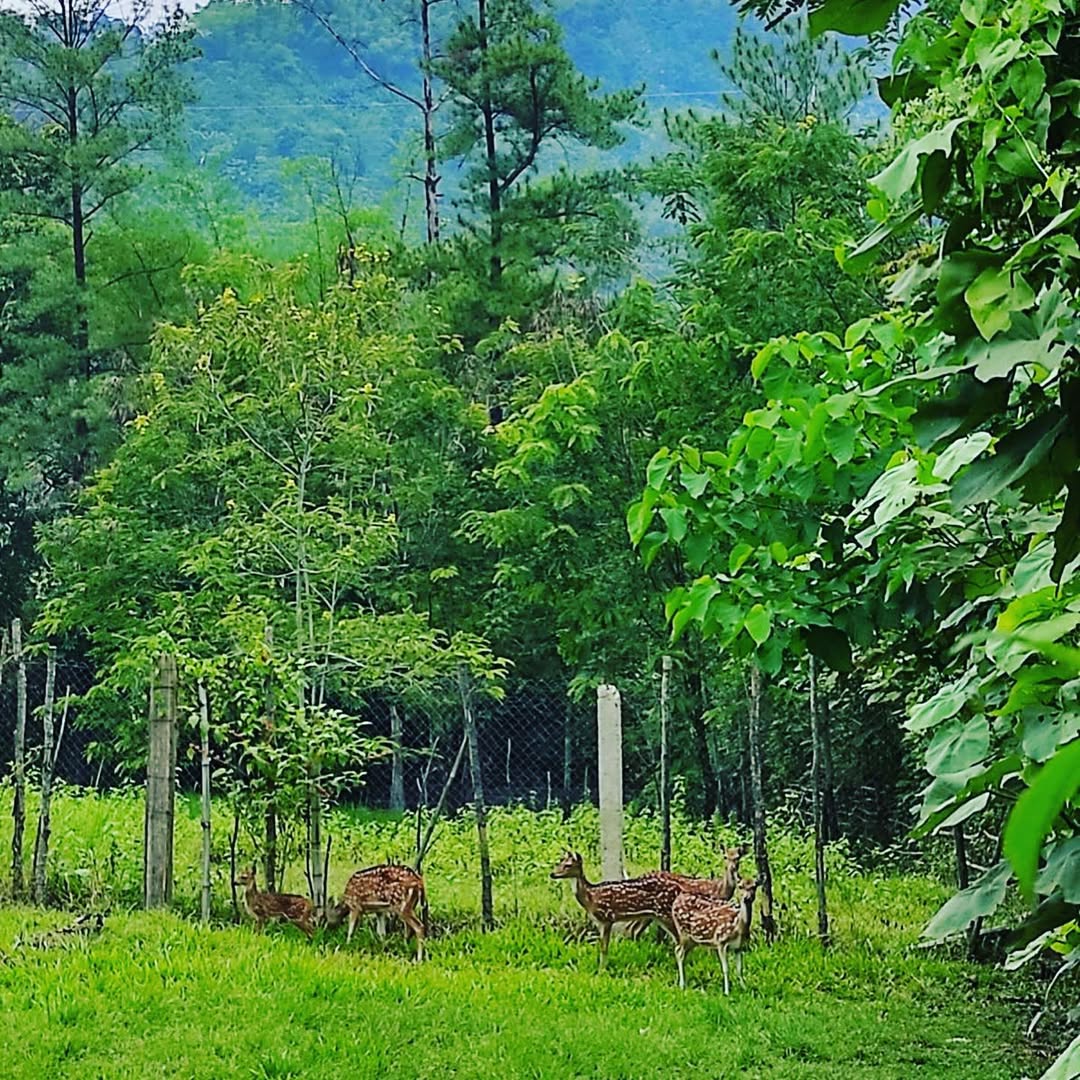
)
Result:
{"points": [[154, 995]]}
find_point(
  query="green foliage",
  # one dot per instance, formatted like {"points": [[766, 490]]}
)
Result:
{"points": [[938, 511], [515, 96], [284, 1007]]}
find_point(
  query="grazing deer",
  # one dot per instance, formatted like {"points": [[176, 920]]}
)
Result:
{"points": [[716, 889], [608, 903], [381, 890], [716, 924], [283, 907]]}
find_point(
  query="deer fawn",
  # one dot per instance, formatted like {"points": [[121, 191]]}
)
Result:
{"points": [[284, 907], [380, 890], [716, 924], [716, 889], [608, 903]]}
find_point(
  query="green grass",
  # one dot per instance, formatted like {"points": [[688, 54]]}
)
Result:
{"points": [[157, 995], [154, 995]]}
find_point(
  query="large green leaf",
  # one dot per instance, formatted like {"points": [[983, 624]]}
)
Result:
{"points": [[897, 179], [1062, 871], [855, 17], [947, 702], [957, 746], [1016, 455], [1067, 1066], [976, 902], [758, 624], [1035, 811]]}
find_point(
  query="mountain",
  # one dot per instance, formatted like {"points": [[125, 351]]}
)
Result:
{"points": [[274, 88]]}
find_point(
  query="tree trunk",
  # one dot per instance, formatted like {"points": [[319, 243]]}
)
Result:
{"points": [[204, 761], [701, 742], [665, 800], [757, 791], [48, 763], [828, 791], [491, 158], [567, 759], [397, 776], [270, 847], [18, 804], [431, 175], [817, 773], [424, 843], [486, 903]]}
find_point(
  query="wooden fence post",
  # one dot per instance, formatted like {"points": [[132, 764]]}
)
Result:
{"points": [[610, 780], [204, 747], [160, 786], [18, 805]]}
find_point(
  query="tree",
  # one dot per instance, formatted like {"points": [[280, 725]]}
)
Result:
{"points": [[940, 441], [424, 99], [767, 191], [91, 92], [514, 92], [257, 561]]}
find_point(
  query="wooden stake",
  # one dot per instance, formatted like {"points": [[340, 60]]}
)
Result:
{"points": [[610, 780], [204, 747], [817, 775], [48, 764], [397, 775], [160, 785], [665, 794], [480, 807], [18, 806], [757, 791]]}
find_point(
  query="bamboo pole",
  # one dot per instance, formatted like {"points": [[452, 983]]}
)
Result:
{"points": [[756, 738], [48, 764], [204, 761], [397, 775], [479, 806], [817, 774], [665, 794], [18, 805]]}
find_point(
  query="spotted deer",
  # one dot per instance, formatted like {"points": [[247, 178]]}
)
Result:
{"points": [[609, 903], [715, 924], [381, 890], [264, 907], [722, 888]]}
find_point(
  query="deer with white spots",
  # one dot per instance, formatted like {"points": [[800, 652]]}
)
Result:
{"points": [[264, 907], [612, 903], [714, 924], [381, 891]]}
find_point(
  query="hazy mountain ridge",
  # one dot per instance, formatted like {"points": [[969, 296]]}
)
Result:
{"points": [[273, 86]]}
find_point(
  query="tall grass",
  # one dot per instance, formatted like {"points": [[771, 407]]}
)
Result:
{"points": [[157, 995]]}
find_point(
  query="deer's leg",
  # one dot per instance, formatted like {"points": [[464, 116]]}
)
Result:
{"points": [[680, 959], [354, 918], [605, 940], [417, 927], [380, 925], [724, 964]]}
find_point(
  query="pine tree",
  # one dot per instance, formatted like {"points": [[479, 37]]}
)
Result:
{"points": [[514, 91]]}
